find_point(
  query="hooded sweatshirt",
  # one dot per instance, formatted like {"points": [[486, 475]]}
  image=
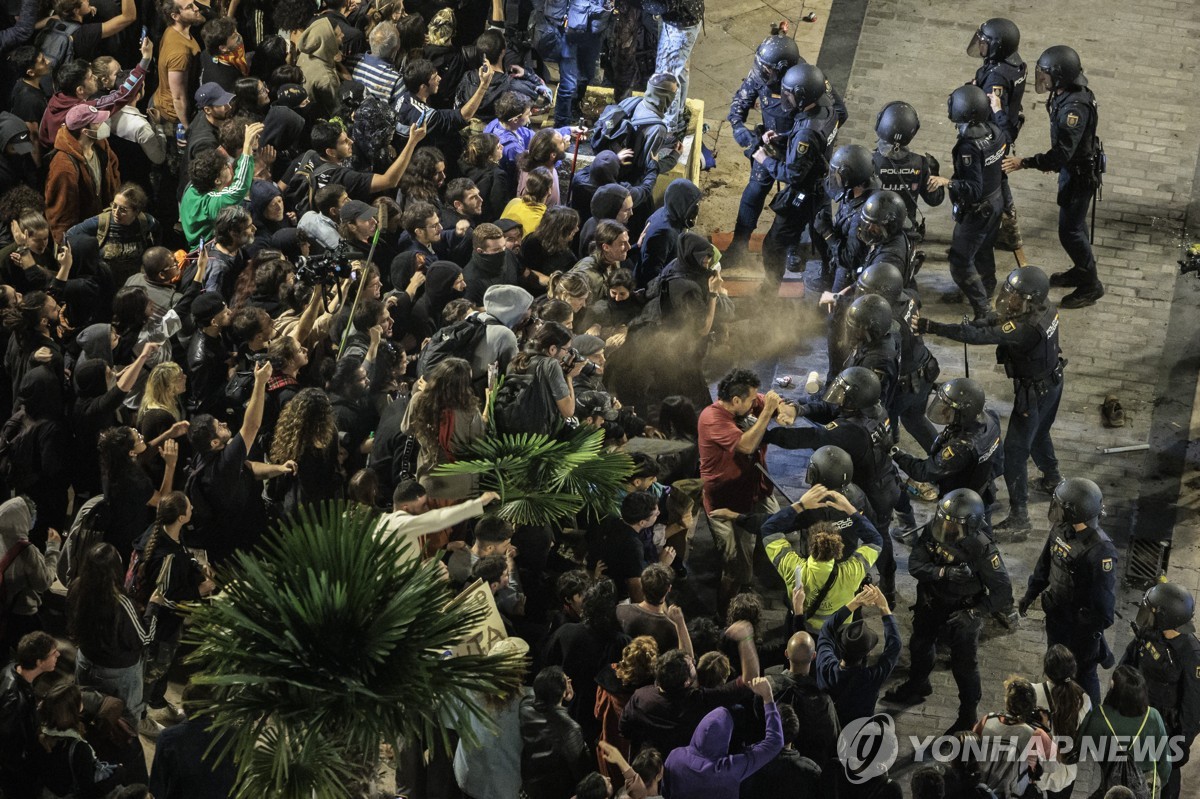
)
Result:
{"points": [[31, 573], [95, 343], [508, 305], [318, 47], [60, 104], [72, 193], [439, 290], [484, 271], [601, 172], [705, 769], [660, 240], [605, 204]]}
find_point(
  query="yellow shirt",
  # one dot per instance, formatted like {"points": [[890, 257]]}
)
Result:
{"points": [[529, 215]]}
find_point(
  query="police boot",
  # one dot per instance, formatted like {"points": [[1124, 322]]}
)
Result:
{"points": [[736, 253], [1072, 277], [908, 693], [967, 717], [1016, 527], [1083, 296], [795, 261], [1046, 483]]}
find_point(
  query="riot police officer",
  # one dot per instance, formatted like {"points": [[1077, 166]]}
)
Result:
{"points": [[875, 337], [1002, 75], [1076, 576], [852, 418], [1166, 651], [774, 57], [1075, 154], [967, 453], [975, 192], [1026, 335], [850, 181], [960, 578], [881, 230], [802, 169], [899, 168], [918, 366]]}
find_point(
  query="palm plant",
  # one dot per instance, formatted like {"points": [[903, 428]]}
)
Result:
{"points": [[546, 479], [328, 640]]}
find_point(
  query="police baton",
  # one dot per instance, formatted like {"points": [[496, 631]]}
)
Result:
{"points": [[966, 354]]}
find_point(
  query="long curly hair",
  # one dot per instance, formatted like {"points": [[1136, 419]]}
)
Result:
{"points": [[160, 391], [306, 423], [420, 179], [637, 662], [447, 388], [114, 447]]}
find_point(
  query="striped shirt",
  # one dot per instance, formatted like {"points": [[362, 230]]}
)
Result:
{"points": [[379, 78]]}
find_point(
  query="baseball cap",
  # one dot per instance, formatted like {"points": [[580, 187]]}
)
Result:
{"points": [[206, 307], [82, 115], [506, 225], [13, 131], [356, 211], [211, 94]]}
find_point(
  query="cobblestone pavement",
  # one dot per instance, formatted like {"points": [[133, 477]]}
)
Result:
{"points": [[1137, 343]]}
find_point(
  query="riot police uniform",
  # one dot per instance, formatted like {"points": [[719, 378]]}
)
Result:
{"points": [[1075, 154], [833, 468], [899, 168], [1171, 666], [967, 453], [802, 169], [761, 87], [960, 578], [975, 192], [1076, 576], [1026, 339], [876, 340], [852, 418], [850, 182]]}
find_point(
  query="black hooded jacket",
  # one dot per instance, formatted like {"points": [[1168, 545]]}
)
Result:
{"points": [[681, 205]]}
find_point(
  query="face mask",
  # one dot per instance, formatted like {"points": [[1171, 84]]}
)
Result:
{"points": [[101, 133]]}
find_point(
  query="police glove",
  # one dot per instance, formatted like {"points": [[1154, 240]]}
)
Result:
{"points": [[959, 571], [1023, 606], [960, 618], [922, 325], [1008, 621]]}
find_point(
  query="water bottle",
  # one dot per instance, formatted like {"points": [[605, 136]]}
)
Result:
{"points": [[180, 135]]}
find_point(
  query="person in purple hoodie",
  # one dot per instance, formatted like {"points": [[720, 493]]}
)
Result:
{"points": [[705, 769]]}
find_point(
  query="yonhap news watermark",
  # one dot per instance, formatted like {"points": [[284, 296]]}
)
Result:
{"points": [[868, 747]]}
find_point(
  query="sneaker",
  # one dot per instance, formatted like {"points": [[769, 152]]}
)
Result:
{"points": [[1071, 278], [1083, 297], [166, 716], [149, 728], [908, 693], [1111, 412]]}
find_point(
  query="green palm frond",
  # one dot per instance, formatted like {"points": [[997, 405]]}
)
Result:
{"points": [[327, 640]]}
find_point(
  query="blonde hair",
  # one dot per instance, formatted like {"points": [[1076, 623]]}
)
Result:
{"points": [[160, 391], [637, 662]]}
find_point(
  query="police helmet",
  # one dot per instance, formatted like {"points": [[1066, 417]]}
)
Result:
{"points": [[1024, 289], [1166, 606], [1058, 68], [897, 123], [802, 85], [869, 317], [968, 104], [882, 216], [850, 167], [855, 388], [831, 467], [959, 513], [775, 56], [957, 401], [882, 279], [995, 40], [1076, 500]]}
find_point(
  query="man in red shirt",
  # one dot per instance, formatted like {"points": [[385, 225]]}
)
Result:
{"points": [[731, 430]]}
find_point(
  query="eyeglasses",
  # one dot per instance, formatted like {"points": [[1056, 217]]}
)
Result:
{"points": [[121, 209]]}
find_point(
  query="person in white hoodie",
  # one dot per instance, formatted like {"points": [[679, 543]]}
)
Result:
{"points": [[412, 517]]}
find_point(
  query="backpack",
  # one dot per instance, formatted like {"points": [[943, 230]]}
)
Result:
{"points": [[305, 181], [104, 223], [459, 340], [615, 129], [522, 404], [1123, 770], [9, 558], [18, 469], [56, 41], [88, 529], [236, 396]]}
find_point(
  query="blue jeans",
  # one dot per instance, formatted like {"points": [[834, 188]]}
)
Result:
{"points": [[674, 50], [1029, 434], [124, 683], [576, 69]]}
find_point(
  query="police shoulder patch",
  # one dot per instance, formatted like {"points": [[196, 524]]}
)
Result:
{"points": [[996, 562], [1072, 119], [1009, 327], [831, 426], [1198, 672], [998, 90], [947, 453], [966, 160], [802, 148], [1107, 564]]}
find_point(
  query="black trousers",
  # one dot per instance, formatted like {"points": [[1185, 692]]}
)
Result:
{"points": [[972, 262], [929, 621]]}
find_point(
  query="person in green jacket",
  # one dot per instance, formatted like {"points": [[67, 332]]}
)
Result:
{"points": [[215, 186], [1126, 715]]}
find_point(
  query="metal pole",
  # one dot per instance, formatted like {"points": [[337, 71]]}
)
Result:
{"points": [[966, 355]]}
